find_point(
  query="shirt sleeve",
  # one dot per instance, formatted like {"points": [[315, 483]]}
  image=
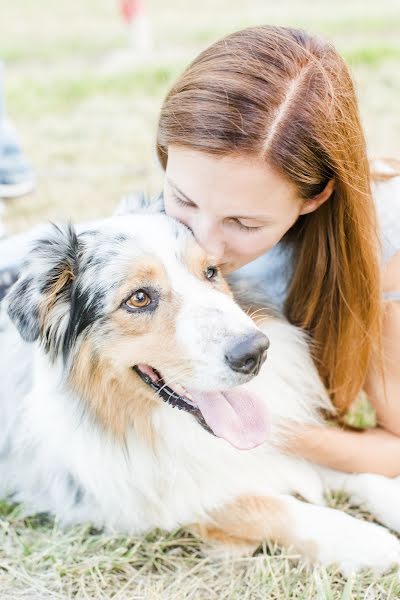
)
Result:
{"points": [[387, 201]]}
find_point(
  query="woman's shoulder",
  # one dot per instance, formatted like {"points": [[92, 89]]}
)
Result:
{"points": [[386, 194]]}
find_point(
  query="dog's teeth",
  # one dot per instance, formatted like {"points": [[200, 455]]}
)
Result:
{"points": [[179, 389]]}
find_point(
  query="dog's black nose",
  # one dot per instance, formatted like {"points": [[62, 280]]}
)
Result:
{"points": [[248, 355]]}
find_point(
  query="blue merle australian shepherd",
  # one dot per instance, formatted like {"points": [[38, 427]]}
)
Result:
{"points": [[135, 393]]}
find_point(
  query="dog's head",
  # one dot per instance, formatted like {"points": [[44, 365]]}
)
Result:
{"points": [[134, 308]]}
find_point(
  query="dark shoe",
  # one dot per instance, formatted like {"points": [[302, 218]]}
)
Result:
{"points": [[16, 176]]}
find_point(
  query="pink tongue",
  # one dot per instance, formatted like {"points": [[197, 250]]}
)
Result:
{"points": [[238, 416]]}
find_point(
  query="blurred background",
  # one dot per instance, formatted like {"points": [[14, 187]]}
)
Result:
{"points": [[84, 81]]}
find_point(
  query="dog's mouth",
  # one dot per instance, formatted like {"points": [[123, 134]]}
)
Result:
{"points": [[236, 415], [180, 400]]}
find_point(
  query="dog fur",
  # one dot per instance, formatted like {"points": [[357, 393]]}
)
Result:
{"points": [[85, 439]]}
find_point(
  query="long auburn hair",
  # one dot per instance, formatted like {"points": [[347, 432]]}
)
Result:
{"points": [[288, 97]]}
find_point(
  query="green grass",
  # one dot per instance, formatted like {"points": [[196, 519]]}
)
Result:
{"points": [[361, 414], [53, 49], [361, 24], [373, 56], [33, 98], [39, 558], [58, 95]]}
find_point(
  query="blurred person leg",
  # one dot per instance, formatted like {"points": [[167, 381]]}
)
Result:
{"points": [[135, 15], [140, 41], [16, 175]]}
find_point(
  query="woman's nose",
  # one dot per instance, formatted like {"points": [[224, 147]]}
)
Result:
{"points": [[209, 238]]}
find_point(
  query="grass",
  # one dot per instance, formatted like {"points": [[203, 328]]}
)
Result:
{"points": [[39, 560], [90, 135], [66, 93], [373, 56]]}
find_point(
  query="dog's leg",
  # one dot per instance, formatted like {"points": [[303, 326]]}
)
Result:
{"points": [[318, 533], [378, 494]]}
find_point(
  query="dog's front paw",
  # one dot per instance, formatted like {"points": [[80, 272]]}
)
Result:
{"points": [[381, 497], [355, 545]]}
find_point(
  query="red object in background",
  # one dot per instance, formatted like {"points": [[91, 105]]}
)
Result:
{"points": [[131, 9]]}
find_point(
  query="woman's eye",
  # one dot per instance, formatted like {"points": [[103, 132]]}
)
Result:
{"points": [[139, 299], [182, 203], [211, 272], [246, 227], [235, 222]]}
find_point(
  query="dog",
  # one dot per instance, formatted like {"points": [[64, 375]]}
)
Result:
{"points": [[136, 393]]}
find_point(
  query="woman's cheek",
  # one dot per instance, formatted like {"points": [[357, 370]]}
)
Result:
{"points": [[254, 243]]}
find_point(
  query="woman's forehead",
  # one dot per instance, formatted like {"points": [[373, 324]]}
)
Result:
{"points": [[237, 184]]}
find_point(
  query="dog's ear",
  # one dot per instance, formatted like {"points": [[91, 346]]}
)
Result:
{"points": [[39, 302]]}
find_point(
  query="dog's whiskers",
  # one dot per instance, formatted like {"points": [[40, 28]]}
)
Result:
{"points": [[170, 382], [256, 311], [261, 320]]}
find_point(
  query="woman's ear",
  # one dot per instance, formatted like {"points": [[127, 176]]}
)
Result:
{"points": [[316, 201]]}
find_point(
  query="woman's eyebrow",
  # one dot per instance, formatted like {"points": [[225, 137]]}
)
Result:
{"points": [[171, 183]]}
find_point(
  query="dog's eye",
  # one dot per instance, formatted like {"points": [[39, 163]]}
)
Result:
{"points": [[211, 272], [139, 299]]}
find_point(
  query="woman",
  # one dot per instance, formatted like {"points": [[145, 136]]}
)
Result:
{"points": [[263, 150], [265, 158]]}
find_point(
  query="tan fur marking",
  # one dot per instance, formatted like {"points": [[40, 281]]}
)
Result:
{"points": [[197, 262], [118, 400], [250, 520], [51, 296], [141, 272], [153, 327], [254, 518], [102, 373], [222, 541]]}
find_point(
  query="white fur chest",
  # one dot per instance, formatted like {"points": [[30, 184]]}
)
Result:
{"points": [[135, 487]]}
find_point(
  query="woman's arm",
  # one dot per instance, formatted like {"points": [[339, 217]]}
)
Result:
{"points": [[374, 450], [370, 451]]}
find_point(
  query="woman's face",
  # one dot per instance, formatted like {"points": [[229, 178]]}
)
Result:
{"points": [[236, 207]]}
